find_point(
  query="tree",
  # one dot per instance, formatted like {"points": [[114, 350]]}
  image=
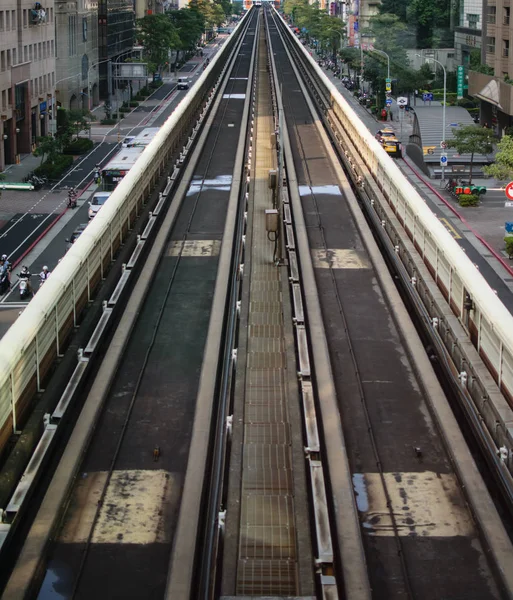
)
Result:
{"points": [[78, 120], [49, 147], [190, 25], [502, 168], [472, 139], [158, 35]]}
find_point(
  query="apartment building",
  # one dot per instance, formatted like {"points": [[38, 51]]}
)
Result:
{"points": [[76, 64], [495, 91], [27, 75]]}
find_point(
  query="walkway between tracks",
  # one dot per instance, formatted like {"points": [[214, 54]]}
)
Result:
{"points": [[267, 546]]}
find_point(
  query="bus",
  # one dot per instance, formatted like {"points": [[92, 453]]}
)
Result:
{"points": [[114, 171], [142, 139]]}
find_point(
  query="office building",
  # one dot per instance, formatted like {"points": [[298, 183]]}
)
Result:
{"points": [[27, 75]]}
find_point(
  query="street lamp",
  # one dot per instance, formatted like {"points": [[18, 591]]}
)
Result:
{"points": [[443, 108]]}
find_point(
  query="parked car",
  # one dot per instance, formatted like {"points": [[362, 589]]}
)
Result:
{"points": [[97, 202], [75, 235], [183, 83]]}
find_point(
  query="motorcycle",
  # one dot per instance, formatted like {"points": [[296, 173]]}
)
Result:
{"points": [[72, 199], [25, 289]]}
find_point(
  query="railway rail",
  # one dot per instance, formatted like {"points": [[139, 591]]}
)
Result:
{"points": [[399, 497]]}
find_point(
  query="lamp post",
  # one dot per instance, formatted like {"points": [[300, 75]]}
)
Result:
{"points": [[443, 107]]}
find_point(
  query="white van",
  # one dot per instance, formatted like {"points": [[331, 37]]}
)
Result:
{"points": [[183, 83], [97, 202]]}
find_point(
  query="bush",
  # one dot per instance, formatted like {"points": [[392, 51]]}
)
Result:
{"points": [[125, 109], [468, 200], [134, 104], [54, 170], [78, 146], [108, 121], [509, 245], [156, 84]]}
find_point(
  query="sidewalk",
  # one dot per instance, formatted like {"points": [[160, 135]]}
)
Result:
{"points": [[17, 173], [482, 227]]}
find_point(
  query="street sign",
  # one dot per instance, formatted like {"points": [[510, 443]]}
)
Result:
{"points": [[443, 145], [388, 84], [443, 160], [509, 191], [508, 204], [427, 97], [402, 101], [460, 78], [508, 226], [389, 101]]}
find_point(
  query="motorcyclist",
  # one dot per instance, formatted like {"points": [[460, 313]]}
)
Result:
{"points": [[97, 173], [25, 274], [6, 265], [43, 276], [72, 198]]}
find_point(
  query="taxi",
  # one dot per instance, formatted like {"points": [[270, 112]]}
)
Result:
{"points": [[387, 138]]}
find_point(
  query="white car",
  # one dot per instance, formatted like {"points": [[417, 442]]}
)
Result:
{"points": [[127, 140], [97, 202], [183, 83]]}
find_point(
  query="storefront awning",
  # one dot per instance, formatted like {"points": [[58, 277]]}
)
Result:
{"points": [[490, 93]]}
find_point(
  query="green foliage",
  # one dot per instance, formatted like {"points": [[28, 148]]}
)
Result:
{"points": [[472, 139], [476, 65], [111, 121], [72, 122], [509, 245], [48, 147], [158, 35], [502, 168], [468, 200], [78, 146], [54, 170], [134, 103], [125, 109]]}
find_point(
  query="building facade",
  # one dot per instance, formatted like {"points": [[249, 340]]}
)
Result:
{"points": [[116, 38], [76, 63], [495, 91], [27, 75]]}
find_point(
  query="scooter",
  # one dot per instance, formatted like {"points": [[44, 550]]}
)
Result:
{"points": [[72, 199], [25, 289]]}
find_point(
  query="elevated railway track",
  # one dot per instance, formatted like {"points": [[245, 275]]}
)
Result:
{"points": [[264, 419]]}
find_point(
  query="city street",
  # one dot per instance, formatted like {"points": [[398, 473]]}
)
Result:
{"points": [[34, 225]]}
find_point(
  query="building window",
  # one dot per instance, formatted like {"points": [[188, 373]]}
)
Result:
{"points": [[84, 29], [490, 45], [1, 20], [39, 53], [505, 48], [7, 20], [25, 18], [2, 60], [14, 61], [72, 38], [13, 19], [85, 67], [473, 20], [4, 99], [505, 17], [492, 12]]}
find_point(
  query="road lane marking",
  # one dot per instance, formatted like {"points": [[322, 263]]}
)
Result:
{"points": [[450, 228]]}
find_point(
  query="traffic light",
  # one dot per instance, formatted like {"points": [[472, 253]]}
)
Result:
{"points": [[333, 8]]}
